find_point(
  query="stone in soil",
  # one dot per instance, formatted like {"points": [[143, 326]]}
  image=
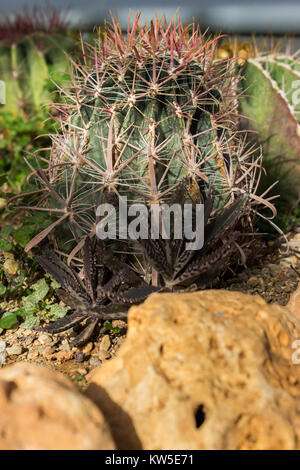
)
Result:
{"points": [[14, 350]]}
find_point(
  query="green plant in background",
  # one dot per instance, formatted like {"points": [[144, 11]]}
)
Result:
{"points": [[17, 138], [271, 107], [153, 117], [33, 47]]}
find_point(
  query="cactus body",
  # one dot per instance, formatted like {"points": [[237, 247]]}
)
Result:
{"points": [[151, 117], [272, 109]]}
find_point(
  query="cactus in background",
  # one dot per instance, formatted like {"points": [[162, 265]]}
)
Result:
{"points": [[151, 116], [271, 107], [32, 48]]}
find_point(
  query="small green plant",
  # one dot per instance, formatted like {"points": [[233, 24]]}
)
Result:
{"points": [[108, 326], [17, 138], [35, 306], [26, 295]]}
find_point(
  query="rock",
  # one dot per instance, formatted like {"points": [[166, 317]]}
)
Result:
{"points": [[87, 348], [79, 357], [44, 339], [119, 324], [32, 354], [105, 343], [65, 345], [47, 352], [187, 377], [27, 341], [95, 362], [274, 269], [62, 356], [42, 410], [253, 281], [294, 303], [14, 350], [104, 355], [294, 244]]}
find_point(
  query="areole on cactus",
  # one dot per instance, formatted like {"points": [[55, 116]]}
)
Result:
{"points": [[152, 116], [271, 106]]}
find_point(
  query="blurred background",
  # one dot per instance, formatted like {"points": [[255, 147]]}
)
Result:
{"points": [[240, 16]]}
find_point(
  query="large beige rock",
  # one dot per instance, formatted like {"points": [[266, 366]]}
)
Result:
{"points": [[40, 409], [294, 302], [208, 370]]}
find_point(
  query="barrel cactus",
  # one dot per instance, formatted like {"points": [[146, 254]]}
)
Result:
{"points": [[271, 106], [151, 117]]}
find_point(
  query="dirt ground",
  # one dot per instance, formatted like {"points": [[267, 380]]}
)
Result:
{"points": [[274, 278]]}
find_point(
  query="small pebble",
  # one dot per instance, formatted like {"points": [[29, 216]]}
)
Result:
{"points": [[79, 357], [28, 340], [14, 350], [82, 371], [103, 355], [118, 324], [65, 346], [105, 343], [33, 354], [94, 362], [44, 339], [274, 269], [47, 352], [87, 348], [253, 281]]}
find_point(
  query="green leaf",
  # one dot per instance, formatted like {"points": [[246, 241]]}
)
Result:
{"points": [[2, 289], [8, 320], [6, 231], [5, 245], [30, 322], [54, 284], [108, 325], [57, 311], [24, 234], [41, 289]]}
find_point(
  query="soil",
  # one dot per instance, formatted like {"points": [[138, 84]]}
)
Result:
{"points": [[274, 278]]}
